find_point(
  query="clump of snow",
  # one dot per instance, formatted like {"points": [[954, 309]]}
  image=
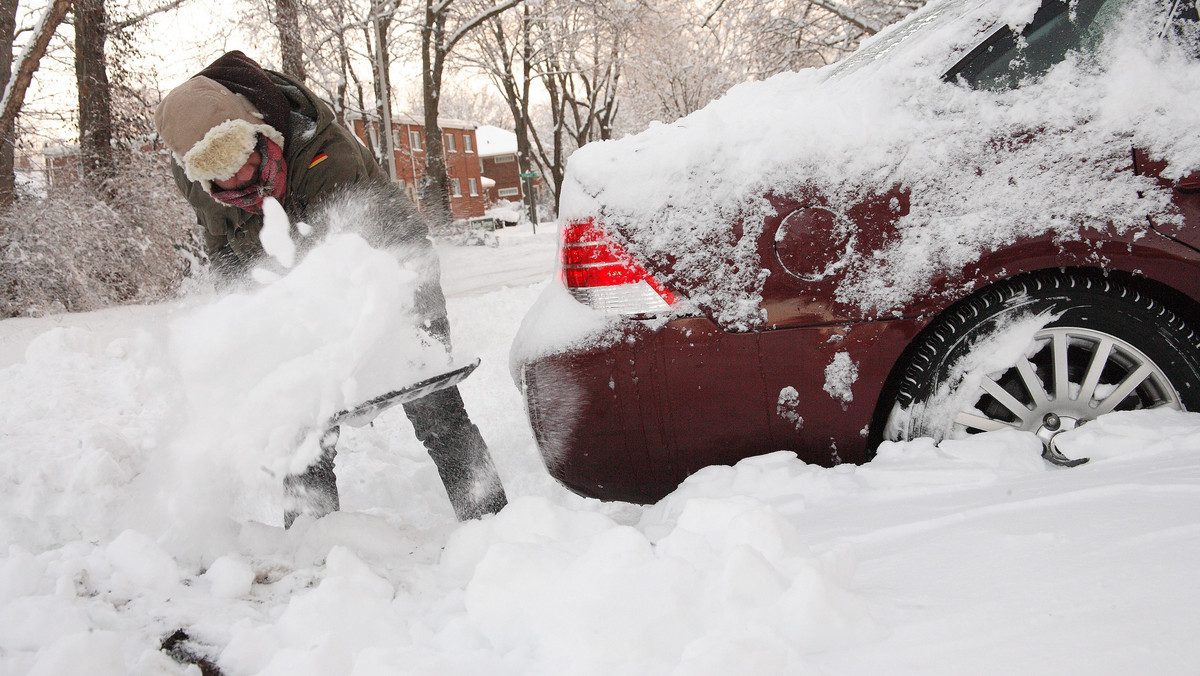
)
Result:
{"points": [[139, 562], [230, 577], [787, 406], [276, 233], [982, 168], [262, 371], [840, 376], [555, 323], [995, 352], [590, 596]]}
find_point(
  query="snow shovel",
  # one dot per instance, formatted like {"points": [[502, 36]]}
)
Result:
{"points": [[364, 413], [471, 482]]}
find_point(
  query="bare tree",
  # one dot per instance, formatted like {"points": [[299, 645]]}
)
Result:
{"points": [[550, 47], [786, 37], [505, 53], [95, 94], [8, 29], [678, 61], [98, 119], [579, 60], [18, 82], [287, 22], [443, 24]]}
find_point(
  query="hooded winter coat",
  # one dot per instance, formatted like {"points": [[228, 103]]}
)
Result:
{"points": [[323, 160]]}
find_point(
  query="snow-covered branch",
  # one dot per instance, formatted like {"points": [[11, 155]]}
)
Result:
{"points": [[28, 61], [472, 23], [846, 14], [126, 23]]}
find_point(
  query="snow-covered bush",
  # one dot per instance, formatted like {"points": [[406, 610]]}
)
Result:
{"points": [[76, 250]]}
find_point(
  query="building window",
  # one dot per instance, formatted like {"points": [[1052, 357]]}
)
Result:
{"points": [[468, 145], [508, 192], [472, 188], [455, 188], [414, 140], [450, 144], [501, 159]]}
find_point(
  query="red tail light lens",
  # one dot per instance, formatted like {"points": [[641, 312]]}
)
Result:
{"points": [[600, 273]]}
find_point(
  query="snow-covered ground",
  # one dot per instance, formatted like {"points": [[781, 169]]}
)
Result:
{"points": [[125, 517]]}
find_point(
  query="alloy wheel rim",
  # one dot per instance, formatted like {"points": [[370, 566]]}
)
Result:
{"points": [[1069, 376]]}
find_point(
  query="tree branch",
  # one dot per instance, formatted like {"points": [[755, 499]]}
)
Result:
{"points": [[29, 60], [713, 13], [122, 25], [845, 13], [470, 24]]}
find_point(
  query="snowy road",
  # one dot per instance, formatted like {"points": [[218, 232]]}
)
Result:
{"points": [[521, 259], [974, 557]]}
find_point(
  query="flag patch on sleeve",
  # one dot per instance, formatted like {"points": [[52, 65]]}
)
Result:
{"points": [[317, 160]]}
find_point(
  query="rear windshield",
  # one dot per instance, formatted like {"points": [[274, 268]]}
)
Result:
{"points": [[1007, 59], [912, 28]]}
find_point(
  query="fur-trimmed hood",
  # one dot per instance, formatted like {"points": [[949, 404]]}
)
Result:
{"points": [[211, 122]]}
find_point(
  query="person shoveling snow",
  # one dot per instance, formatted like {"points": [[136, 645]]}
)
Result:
{"points": [[253, 152]]}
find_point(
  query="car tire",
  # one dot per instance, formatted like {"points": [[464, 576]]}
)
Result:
{"points": [[1020, 355]]}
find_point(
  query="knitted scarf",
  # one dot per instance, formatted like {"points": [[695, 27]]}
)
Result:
{"points": [[271, 183]]}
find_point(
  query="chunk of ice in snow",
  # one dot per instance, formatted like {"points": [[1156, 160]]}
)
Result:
{"points": [[276, 235]]}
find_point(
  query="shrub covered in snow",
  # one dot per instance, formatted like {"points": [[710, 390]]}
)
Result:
{"points": [[75, 249]]}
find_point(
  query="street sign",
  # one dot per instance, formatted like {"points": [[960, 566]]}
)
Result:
{"points": [[530, 174]]}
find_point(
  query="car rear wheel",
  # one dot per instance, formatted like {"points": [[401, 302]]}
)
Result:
{"points": [[1044, 353]]}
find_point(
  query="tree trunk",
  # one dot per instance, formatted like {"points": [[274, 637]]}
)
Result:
{"points": [[287, 22], [95, 94], [521, 116], [18, 83], [435, 193], [8, 179], [436, 45], [383, 92]]}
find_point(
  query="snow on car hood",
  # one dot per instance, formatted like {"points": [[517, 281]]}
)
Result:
{"points": [[984, 168]]}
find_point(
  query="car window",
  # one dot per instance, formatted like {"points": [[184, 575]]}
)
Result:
{"points": [[1005, 60]]}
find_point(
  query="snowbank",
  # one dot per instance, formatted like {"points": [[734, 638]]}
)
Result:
{"points": [[932, 559]]}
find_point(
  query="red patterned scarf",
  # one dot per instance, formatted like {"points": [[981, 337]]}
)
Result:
{"points": [[271, 183]]}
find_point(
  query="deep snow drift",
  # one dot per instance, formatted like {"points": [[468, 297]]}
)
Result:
{"points": [[972, 557]]}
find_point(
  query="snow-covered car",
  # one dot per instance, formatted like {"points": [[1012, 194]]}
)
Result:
{"points": [[985, 218]]}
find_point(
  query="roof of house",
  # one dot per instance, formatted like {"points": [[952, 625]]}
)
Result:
{"points": [[495, 141]]}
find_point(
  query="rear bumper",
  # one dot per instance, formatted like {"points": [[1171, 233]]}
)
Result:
{"points": [[632, 420]]}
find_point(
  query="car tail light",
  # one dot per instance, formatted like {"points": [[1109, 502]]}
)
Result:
{"points": [[602, 275]]}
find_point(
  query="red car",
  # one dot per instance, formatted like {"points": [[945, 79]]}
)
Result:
{"points": [[986, 218]]}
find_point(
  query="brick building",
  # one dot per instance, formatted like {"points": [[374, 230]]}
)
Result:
{"points": [[462, 159]]}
